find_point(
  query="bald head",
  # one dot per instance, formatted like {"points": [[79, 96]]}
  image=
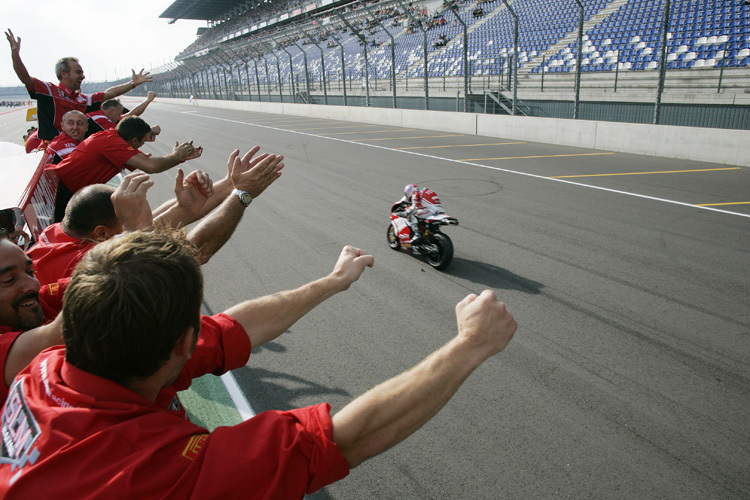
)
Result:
{"points": [[90, 214], [75, 124]]}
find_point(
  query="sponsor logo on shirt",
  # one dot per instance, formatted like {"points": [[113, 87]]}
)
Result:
{"points": [[19, 431], [194, 446], [175, 404]]}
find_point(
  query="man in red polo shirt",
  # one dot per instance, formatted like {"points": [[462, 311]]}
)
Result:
{"points": [[99, 212], [74, 127], [53, 101], [32, 141], [26, 311], [112, 111], [109, 397], [102, 156]]}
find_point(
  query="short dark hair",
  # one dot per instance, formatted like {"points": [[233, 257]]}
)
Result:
{"points": [[63, 66], [4, 234], [89, 207], [111, 103], [129, 301], [132, 127]]}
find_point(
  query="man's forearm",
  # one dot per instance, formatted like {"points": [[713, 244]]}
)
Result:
{"points": [[389, 413], [215, 230], [29, 344], [118, 90], [160, 164], [138, 110], [23, 74], [172, 214], [267, 317]]}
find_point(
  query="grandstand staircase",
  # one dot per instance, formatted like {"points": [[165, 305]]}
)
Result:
{"points": [[561, 44], [303, 98], [501, 99]]}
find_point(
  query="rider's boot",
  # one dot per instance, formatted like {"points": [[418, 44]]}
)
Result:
{"points": [[416, 239]]}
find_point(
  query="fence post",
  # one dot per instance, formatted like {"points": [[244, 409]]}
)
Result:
{"points": [[663, 62]]}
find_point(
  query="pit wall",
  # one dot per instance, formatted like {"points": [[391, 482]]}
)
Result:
{"points": [[730, 147]]}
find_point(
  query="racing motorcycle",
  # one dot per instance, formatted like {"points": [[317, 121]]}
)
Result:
{"points": [[435, 246]]}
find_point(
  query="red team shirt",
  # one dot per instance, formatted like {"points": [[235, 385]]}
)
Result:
{"points": [[32, 141], [55, 254], [98, 121], [61, 146], [96, 160], [53, 101], [70, 434], [50, 298]]}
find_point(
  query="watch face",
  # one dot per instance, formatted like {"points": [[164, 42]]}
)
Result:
{"points": [[246, 198]]}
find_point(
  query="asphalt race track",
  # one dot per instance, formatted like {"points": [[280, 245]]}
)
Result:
{"points": [[629, 374]]}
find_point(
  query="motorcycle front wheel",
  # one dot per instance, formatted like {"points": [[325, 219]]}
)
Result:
{"points": [[444, 253], [393, 238]]}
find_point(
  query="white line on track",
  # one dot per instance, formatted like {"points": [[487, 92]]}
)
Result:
{"points": [[238, 397], [563, 181]]}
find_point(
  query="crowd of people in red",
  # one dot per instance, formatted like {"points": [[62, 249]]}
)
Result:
{"points": [[99, 333]]}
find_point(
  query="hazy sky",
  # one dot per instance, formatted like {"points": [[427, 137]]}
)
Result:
{"points": [[109, 37]]}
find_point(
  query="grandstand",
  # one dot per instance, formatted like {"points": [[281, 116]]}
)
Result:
{"points": [[459, 55]]}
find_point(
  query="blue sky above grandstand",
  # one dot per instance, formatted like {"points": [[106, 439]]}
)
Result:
{"points": [[109, 38]]}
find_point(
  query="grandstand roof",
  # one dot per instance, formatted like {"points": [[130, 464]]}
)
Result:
{"points": [[202, 10]]}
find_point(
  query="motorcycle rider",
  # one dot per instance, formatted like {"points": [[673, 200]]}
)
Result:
{"points": [[424, 203]]}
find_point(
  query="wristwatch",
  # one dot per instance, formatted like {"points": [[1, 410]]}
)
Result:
{"points": [[244, 197]]}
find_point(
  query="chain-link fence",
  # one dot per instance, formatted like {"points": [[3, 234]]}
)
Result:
{"points": [[664, 61]]}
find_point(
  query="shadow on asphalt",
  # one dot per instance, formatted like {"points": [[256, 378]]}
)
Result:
{"points": [[491, 276]]}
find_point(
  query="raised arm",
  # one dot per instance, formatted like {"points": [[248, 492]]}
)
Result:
{"points": [[130, 202], [180, 153], [138, 110], [29, 344], [250, 175], [18, 66], [136, 79], [192, 192], [267, 317], [393, 410]]}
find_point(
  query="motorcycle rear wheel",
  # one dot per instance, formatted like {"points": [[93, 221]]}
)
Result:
{"points": [[444, 255], [393, 241]]}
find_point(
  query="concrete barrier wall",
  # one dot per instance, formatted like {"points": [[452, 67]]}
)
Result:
{"points": [[731, 147]]}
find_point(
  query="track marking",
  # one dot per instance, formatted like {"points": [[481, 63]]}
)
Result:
{"points": [[541, 156], [369, 132], [720, 204], [238, 397], [647, 173], [462, 145], [415, 137], [497, 169], [342, 126]]}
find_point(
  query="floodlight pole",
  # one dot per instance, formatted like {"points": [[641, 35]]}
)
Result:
{"points": [[322, 63], [577, 102], [278, 72], [454, 11], [515, 54], [393, 53], [364, 50], [424, 42], [663, 61]]}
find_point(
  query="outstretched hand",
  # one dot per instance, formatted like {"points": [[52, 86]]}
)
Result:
{"points": [[254, 175], [485, 323], [192, 192], [186, 151], [351, 264], [131, 204], [15, 43], [141, 77]]}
